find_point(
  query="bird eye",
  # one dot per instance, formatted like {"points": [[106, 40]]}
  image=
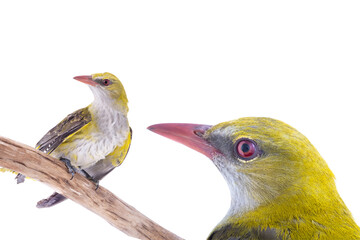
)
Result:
{"points": [[106, 82], [246, 149]]}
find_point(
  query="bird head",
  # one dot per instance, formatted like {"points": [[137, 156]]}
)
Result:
{"points": [[106, 88], [267, 164]]}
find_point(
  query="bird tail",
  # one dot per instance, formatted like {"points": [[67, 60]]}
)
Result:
{"points": [[54, 199]]}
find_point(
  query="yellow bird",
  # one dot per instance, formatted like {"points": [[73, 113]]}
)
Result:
{"points": [[281, 188], [92, 140]]}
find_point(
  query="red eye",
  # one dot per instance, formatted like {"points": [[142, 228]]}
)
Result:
{"points": [[246, 149], [106, 82]]}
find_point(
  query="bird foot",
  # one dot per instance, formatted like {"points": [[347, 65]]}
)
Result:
{"points": [[71, 168]]}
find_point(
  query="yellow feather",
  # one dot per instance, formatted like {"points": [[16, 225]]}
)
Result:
{"points": [[118, 155]]}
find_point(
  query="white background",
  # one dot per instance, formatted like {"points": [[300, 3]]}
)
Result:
{"points": [[180, 61]]}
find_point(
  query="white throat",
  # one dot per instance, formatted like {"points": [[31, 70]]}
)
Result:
{"points": [[108, 115], [242, 199]]}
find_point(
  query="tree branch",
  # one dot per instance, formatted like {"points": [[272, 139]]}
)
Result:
{"points": [[44, 168]]}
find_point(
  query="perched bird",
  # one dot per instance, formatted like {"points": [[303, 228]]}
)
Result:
{"points": [[93, 140], [281, 188]]}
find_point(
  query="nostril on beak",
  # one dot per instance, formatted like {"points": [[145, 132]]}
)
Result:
{"points": [[200, 131]]}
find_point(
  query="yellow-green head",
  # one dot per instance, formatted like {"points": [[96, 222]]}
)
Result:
{"points": [[278, 181], [267, 161], [107, 88]]}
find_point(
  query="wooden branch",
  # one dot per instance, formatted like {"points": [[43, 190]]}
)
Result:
{"points": [[44, 168]]}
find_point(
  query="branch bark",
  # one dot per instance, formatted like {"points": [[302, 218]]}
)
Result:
{"points": [[44, 168]]}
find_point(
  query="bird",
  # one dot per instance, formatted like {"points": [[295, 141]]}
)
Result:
{"points": [[280, 186], [93, 140]]}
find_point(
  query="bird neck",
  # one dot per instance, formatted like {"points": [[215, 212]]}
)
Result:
{"points": [[102, 99], [242, 198], [307, 211], [109, 117], [311, 203]]}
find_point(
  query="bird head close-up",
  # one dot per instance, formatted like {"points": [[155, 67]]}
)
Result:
{"points": [[281, 188], [107, 89]]}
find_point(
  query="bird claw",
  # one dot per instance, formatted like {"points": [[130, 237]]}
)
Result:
{"points": [[96, 184], [71, 169]]}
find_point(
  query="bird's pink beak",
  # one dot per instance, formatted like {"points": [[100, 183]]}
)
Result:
{"points": [[188, 134], [86, 79]]}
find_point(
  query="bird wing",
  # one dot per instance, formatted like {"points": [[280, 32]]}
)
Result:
{"points": [[71, 124]]}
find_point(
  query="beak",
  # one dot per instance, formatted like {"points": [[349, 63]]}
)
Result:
{"points": [[86, 79], [190, 135]]}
